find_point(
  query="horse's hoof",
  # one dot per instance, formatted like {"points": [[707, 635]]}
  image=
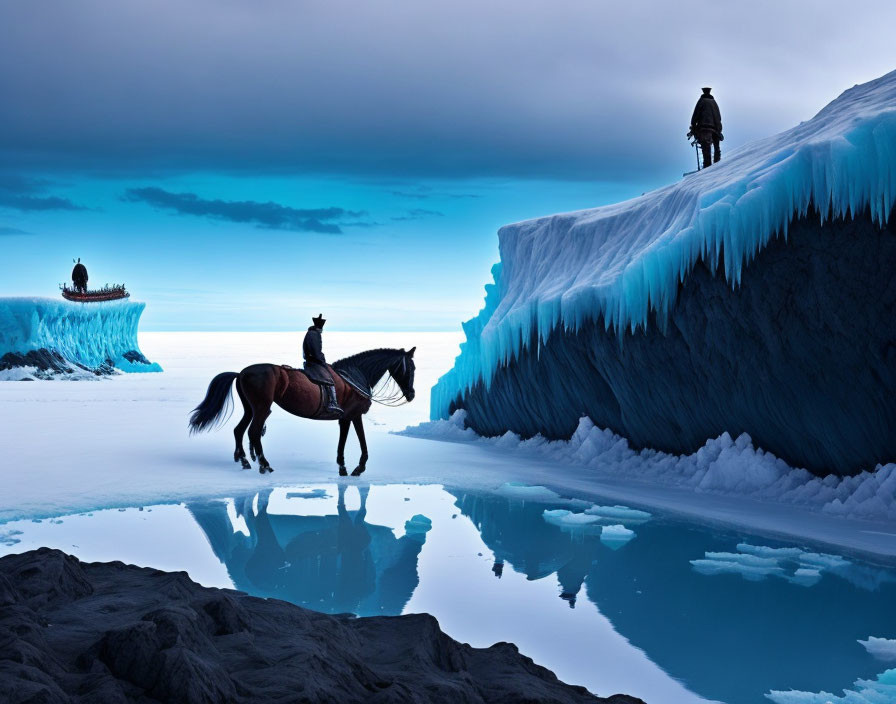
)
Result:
{"points": [[359, 470], [246, 465], [343, 472]]}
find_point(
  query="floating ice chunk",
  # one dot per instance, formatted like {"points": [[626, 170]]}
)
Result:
{"points": [[878, 691], [518, 490], [794, 564], [615, 536], [764, 551], [308, 494], [417, 524], [805, 577], [822, 560], [754, 573], [881, 648], [620, 513], [567, 519], [749, 560]]}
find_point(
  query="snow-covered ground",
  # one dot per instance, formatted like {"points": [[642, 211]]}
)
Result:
{"points": [[79, 445]]}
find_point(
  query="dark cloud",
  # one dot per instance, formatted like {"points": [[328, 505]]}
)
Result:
{"points": [[421, 193], [419, 214], [450, 88], [8, 231], [25, 194], [268, 215]]}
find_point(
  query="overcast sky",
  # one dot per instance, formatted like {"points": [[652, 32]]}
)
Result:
{"points": [[291, 146]]}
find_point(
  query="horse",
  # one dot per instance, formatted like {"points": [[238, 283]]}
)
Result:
{"points": [[259, 386]]}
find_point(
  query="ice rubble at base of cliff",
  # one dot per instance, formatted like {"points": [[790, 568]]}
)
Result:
{"points": [[723, 466]]}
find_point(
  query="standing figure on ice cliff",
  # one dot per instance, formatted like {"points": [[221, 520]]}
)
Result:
{"points": [[316, 364], [79, 277], [706, 126]]}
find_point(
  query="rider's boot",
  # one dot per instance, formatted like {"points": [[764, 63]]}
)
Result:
{"points": [[332, 405]]}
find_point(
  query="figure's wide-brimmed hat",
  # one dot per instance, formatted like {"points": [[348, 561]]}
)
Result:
{"points": [[319, 320], [706, 89]]}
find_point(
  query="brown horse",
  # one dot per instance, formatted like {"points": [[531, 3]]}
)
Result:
{"points": [[259, 386]]}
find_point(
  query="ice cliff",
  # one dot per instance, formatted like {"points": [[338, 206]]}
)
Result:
{"points": [[42, 336], [755, 296]]}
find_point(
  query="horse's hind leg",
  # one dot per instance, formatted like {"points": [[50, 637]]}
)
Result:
{"points": [[258, 385], [239, 454], [256, 430]]}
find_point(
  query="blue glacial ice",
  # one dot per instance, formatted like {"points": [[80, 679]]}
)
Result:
{"points": [[881, 648], [794, 565], [736, 300], [61, 336], [880, 690]]}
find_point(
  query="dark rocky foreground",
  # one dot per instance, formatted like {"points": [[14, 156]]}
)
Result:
{"points": [[801, 355], [109, 632]]}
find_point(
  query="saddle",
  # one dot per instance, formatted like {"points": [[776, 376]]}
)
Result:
{"points": [[345, 375]]}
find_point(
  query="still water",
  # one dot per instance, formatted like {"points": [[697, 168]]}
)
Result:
{"points": [[609, 597]]}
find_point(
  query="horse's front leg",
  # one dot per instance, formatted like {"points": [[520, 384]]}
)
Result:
{"points": [[340, 450], [358, 422]]}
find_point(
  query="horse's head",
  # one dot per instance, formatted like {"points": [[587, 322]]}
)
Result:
{"points": [[402, 370]]}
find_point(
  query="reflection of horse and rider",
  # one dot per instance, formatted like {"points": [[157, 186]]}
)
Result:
{"points": [[343, 391], [333, 563]]}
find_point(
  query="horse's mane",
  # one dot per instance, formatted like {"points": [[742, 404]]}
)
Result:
{"points": [[365, 370], [365, 360]]}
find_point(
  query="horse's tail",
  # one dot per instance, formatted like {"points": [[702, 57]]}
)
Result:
{"points": [[217, 403]]}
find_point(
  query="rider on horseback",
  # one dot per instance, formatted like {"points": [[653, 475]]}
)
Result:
{"points": [[316, 364]]}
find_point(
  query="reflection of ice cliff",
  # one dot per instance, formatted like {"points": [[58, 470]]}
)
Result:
{"points": [[696, 627], [40, 337], [331, 563], [755, 296]]}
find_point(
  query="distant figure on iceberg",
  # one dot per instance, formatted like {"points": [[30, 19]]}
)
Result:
{"points": [[316, 364], [79, 277], [706, 126]]}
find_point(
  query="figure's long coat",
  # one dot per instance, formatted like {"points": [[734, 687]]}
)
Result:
{"points": [[315, 362], [707, 115]]}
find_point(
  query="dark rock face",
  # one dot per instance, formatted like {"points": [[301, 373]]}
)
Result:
{"points": [[135, 357], [109, 632], [802, 356], [50, 363], [44, 360]]}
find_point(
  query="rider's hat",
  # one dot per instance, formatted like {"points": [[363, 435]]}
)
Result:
{"points": [[319, 320]]}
